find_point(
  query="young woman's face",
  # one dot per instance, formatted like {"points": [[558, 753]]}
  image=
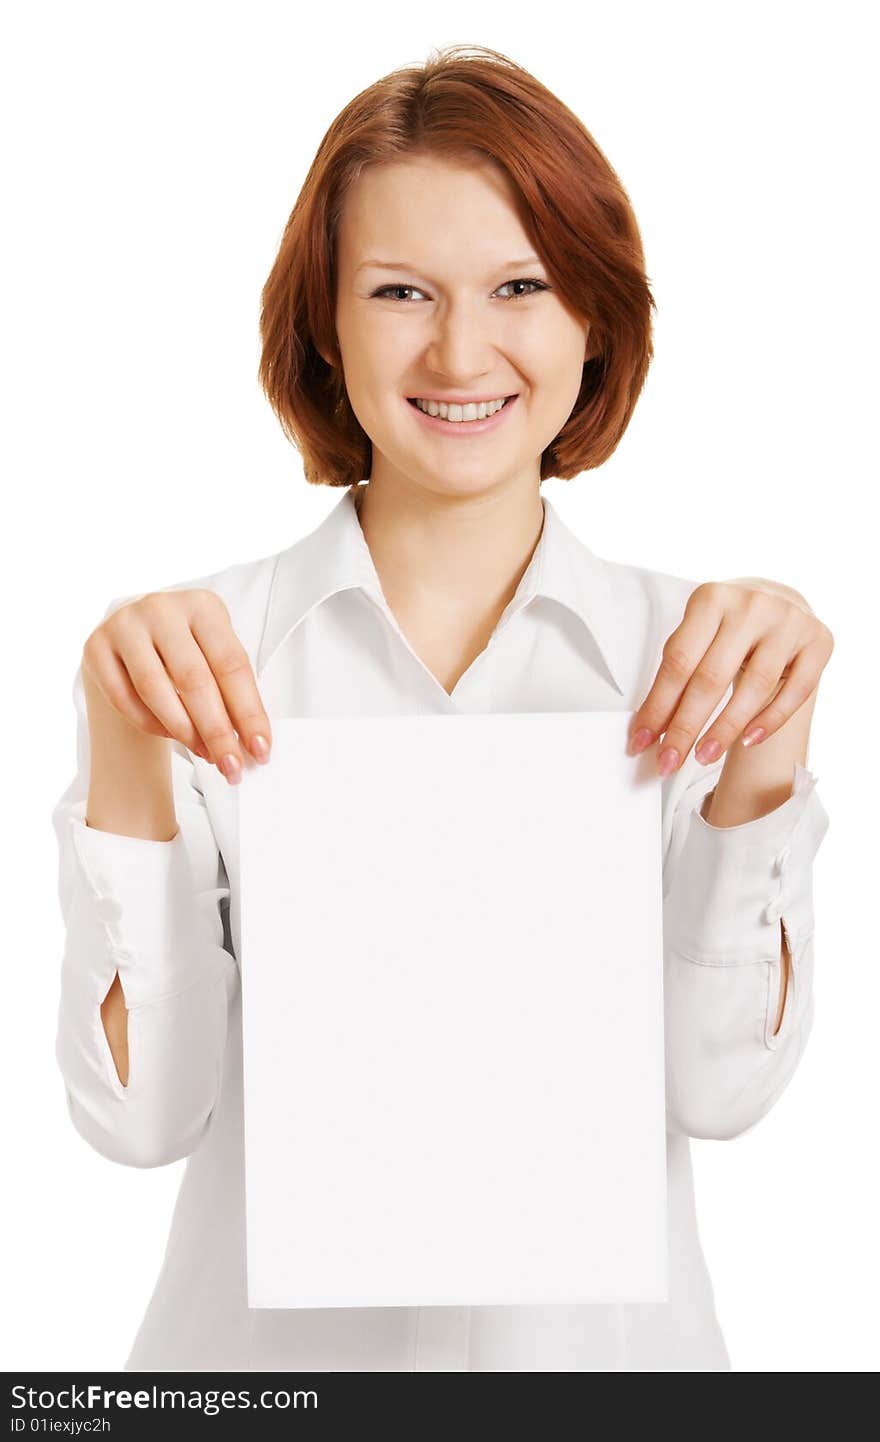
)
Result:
{"points": [[444, 317]]}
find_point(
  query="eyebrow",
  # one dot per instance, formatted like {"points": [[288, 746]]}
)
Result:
{"points": [[406, 265]]}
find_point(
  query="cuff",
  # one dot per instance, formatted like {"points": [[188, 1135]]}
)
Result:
{"points": [[732, 884], [162, 923]]}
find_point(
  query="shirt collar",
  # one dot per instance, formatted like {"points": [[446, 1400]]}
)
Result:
{"points": [[335, 557]]}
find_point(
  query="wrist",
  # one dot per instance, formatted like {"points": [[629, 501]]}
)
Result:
{"points": [[130, 791], [757, 779]]}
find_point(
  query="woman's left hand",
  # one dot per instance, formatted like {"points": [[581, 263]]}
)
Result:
{"points": [[760, 635]]}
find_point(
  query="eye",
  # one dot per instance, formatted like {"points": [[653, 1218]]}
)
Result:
{"points": [[383, 291], [538, 283]]}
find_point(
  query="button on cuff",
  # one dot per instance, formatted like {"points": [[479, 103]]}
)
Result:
{"points": [[731, 885]]}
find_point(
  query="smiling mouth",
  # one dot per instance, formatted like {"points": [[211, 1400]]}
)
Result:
{"points": [[457, 419]]}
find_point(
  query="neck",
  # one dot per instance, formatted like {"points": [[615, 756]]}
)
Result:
{"points": [[462, 557]]}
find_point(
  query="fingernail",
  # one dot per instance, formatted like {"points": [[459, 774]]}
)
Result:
{"points": [[708, 751], [260, 748], [642, 738], [668, 760], [231, 769], [756, 734]]}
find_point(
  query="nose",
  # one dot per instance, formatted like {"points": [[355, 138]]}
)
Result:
{"points": [[461, 349]]}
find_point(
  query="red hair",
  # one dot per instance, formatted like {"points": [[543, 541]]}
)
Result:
{"points": [[463, 102]]}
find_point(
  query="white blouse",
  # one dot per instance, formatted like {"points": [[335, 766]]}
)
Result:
{"points": [[581, 633]]}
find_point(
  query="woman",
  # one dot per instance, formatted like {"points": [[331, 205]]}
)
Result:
{"points": [[458, 311]]}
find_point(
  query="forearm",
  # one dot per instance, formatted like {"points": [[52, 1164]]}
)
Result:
{"points": [[738, 960], [738, 923], [130, 794], [754, 780], [130, 791], [757, 779], [146, 978]]}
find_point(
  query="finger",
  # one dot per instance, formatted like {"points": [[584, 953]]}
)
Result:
{"points": [[107, 670], [681, 652], [151, 684], [702, 694], [797, 688], [195, 688], [761, 677], [230, 664]]}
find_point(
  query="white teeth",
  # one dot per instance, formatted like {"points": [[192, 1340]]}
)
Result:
{"points": [[470, 412]]}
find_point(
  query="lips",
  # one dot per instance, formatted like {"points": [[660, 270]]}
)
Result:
{"points": [[460, 430], [412, 400]]}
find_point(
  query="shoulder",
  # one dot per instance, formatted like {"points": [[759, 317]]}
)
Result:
{"points": [[649, 606], [659, 592], [244, 588], [240, 586]]}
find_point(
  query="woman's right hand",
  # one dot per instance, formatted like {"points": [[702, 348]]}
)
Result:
{"points": [[171, 665]]}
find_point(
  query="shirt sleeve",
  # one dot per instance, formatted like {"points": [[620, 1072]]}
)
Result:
{"points": [[150, 910], [728, 893]]}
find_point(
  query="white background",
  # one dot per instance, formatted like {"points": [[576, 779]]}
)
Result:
{"points": [[153, 154]]}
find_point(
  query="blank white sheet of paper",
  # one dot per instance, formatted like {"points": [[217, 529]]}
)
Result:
{"points": [[452, 1001]]}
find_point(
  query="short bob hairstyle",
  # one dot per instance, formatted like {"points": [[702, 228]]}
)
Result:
{"points": [[465, 102]]}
